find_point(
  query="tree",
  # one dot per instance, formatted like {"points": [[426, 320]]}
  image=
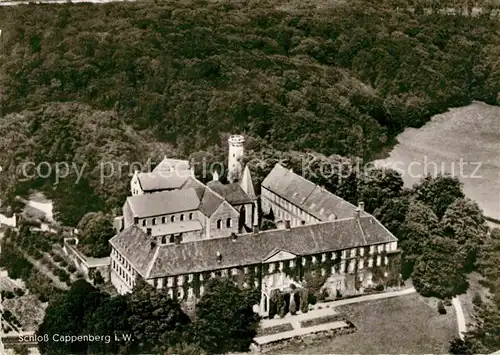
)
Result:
{"points": [[68, 315], [95, 230], [460, 347], [156, 321], [419, 227], [376, 186], [464, 222], [392, 214], [438, 192], [21, 350], [225, 321], [110, 318], [438, 271]]}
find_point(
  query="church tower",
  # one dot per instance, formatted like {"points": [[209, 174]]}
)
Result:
{"points": [[236, 151]]}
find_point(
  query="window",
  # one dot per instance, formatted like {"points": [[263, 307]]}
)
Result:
{"points": [[353, 252], [190, 278], [379, 260], [154, 221], [180, 280], [155, 283], [323, 272], [370, 262], [170, 281], [245, 270], [182, 217], [164, 239], [219, 223], [361, 251], [143, 222], [190, 216], [314, 260], [163, 220], [172, 219], [292, 264], [271, 268], [386, 260], [323, 257], [228, 223], [361, 264], [234, 272]]}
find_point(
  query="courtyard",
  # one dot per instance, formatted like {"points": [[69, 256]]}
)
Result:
{"points": [[404, 324]]}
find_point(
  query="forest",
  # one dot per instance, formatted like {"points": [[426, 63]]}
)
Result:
{"points": [[84, 83]]}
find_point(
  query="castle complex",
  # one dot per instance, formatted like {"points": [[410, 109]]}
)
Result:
{"points": [[177, 233]]}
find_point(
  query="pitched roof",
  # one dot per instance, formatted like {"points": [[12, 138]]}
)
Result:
{"points": [[303, 193], [210, 202], [164, 202], [232, 193], [162, 180], [174, 228], [247, 184], [134, 245], [172, 164], [250, 248]]}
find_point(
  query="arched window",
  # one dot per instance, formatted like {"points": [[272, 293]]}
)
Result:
{"points": [[228, 223], [154, 221], [219, 224], [163, 220], [190, 216], [172, 219], [182, 217]]}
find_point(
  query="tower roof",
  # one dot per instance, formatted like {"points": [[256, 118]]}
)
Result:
{"points": [[247, 184]]}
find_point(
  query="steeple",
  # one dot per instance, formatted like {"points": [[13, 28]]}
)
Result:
{"points": [[247, 184]]}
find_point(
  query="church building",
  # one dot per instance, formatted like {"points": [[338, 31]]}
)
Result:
{"points": [[178, 235]]}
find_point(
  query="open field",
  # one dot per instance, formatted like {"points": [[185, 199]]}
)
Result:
{"points": [[407, 324]]}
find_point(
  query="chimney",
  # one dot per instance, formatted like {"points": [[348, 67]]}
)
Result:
{"points": [[287, 224], [148, 231], [361, 206]]}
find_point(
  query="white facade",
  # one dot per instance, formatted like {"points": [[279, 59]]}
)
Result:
{"points": [[236, 151]]}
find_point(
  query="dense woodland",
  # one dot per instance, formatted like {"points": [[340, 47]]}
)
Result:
{"points": [[125, 82]]}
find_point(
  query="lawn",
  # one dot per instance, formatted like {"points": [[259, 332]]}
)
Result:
{"points": [[407, 324]]}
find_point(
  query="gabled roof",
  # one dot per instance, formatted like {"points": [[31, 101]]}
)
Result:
{"points": [[303, 193], [247, 184], [165, 202], [210, 202], [232, 193], [250, 248], [172, 164], [162, 180]]}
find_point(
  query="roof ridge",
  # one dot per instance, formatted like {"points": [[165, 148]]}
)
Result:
{"points": [[362, 231], [153, 260]]}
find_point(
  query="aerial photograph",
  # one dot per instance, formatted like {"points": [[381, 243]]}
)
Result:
{"points": [[204, 177]]}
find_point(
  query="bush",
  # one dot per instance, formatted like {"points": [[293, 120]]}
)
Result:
{"points": [[311, 298], [441, 308], [379, 287], [304, 304], [9, 295], [63, 263], [19, 291], [57, 258], [71, 268], [477, 300]]}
